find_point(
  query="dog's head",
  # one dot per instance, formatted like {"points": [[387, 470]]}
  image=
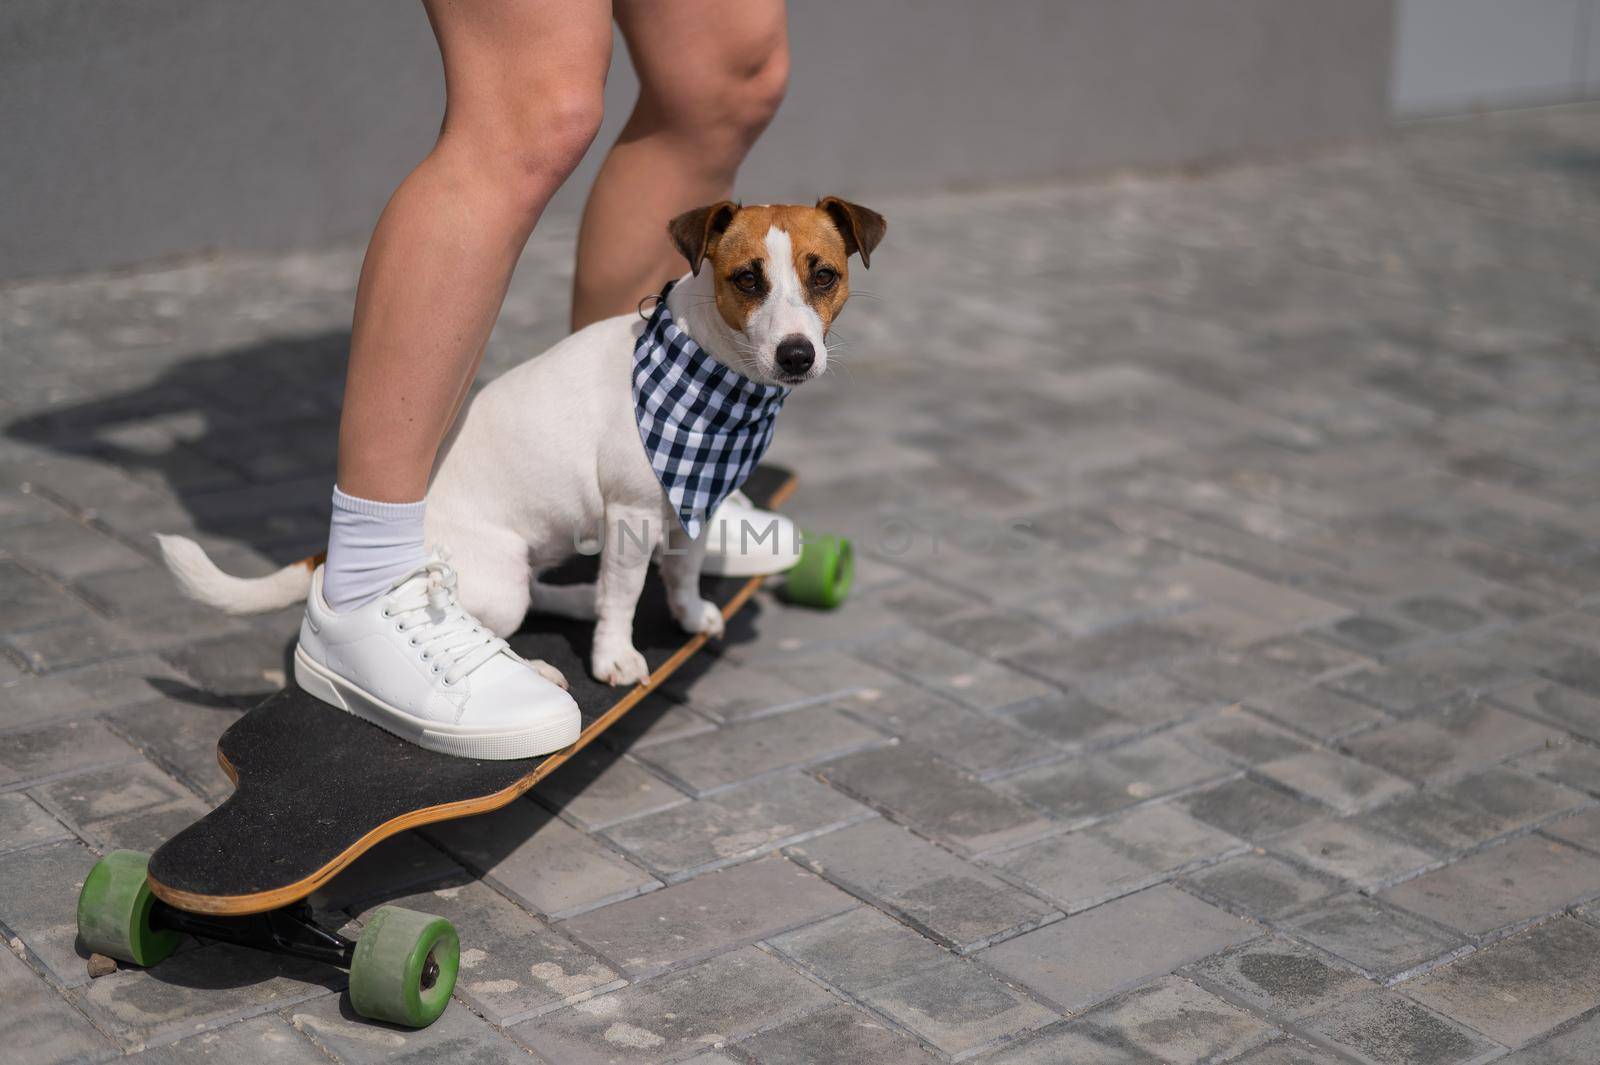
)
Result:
{"points": [[781, 275]]}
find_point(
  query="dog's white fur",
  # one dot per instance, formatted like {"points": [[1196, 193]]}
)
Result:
{"points": [[548, 457]]}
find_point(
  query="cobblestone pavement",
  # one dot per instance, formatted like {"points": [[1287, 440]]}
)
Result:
{"points": [[1223, 682]]}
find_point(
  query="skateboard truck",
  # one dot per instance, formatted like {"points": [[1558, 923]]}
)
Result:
{"points": [[292, 930], [402, 968]]}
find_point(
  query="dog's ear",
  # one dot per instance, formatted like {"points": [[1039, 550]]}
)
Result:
{"points": [[861, 227], [695, 232]]}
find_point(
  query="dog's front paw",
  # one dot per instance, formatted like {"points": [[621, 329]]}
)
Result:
{"points": [[700, 617], [548, 672], [620, 666]]}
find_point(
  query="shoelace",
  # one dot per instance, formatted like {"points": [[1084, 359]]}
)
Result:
{"points": [[449, 637]]}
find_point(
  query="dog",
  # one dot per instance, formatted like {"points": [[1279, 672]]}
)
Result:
{"points": [[549, 455]]}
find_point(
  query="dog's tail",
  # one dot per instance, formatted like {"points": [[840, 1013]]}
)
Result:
{"points": [[200, 579]]}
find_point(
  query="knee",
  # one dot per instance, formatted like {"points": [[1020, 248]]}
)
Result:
{"points": [[729, 106], [528, 147]]}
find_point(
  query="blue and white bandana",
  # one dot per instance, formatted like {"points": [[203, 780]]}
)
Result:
{"points": [[704, 426]]}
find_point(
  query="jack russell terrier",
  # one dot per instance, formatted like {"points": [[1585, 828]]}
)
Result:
{"points": [[549, 455]]}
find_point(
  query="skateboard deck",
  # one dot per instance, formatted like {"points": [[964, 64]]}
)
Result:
{"points": [[316, 787]]}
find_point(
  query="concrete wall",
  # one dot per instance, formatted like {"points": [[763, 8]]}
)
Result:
{"points": [[132, 131], [1461, 55]]}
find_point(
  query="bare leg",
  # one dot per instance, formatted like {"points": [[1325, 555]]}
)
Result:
{"points": [[711, 74], [523, 81]]}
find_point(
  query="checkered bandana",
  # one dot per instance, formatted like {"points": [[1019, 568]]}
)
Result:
{"points": [[704, 426]]}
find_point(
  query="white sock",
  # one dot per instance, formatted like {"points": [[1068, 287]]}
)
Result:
{"points": [[370, 546]]}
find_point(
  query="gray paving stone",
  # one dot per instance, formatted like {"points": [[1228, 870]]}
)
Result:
{"points": [[1151, 698], [78, 642], [742, 822], [181, 738], [1115, 857], [1502, 886], [954, 901], [24, 823], [1249, 809], [196, 990], [1395, 688], [822, 672], [1174, 1021], [1288, 1052], [957, 1007], [89, 690], [990, 633], [709, 913], [1572, 764], [1117, 650], [39, 1027], [715, 1002], [455, 1036], [1351, 851], [860, 949], [1519, 988], [764, 745], [1450, 742], [1472, 810], [598, 787], [1578, 1044], [833, 1035], [972, 740], [727, 691], [1379, 940], [1102, 783], [31, 601], [1237, 736], [39, 905], [655, 719], [1318, 712], [1305, 657], [1279, 978], [954, 671], [247, 665], [133, 806], [1074, 722], [1094, 955], [932, 796], [1582, 830], [1341, 782], [1384, 1028], [1557, 704], [398, 864], [264, 1040], [68, 549], [55, 750], [1260, 885], [542, 862], [512, 964], [1073, 1041]]}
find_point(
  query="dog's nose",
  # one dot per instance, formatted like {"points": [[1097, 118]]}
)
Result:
{"points": [[795, 355]]}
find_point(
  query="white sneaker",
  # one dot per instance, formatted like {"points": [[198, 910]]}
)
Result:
{"points": [[742, 540], [415, 663]]}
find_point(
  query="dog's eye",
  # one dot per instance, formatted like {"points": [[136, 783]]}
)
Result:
{"points": [[824, 278], [746, 281]]}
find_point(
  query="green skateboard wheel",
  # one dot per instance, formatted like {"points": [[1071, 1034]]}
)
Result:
{"points": [[405, 967], [822, 576], [114, 911]]}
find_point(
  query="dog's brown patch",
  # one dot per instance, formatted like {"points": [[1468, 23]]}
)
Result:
{"points": [[311, 562]]}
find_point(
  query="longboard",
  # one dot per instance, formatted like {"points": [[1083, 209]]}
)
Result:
{"points": [[316, 787]]}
